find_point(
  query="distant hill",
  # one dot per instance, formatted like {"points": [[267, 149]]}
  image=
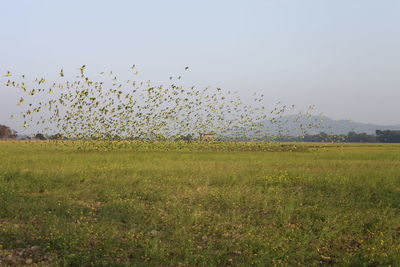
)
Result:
{"points": [[327, 125]]}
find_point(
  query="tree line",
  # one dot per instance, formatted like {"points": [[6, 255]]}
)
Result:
{"points": [[380, 136]]}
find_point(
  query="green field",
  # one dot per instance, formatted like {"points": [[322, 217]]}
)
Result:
{"points": [[158, 204]]}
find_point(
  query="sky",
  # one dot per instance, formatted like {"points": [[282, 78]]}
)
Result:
{"points": [[342, 56]]}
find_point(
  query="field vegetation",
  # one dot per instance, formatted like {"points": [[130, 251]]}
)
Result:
{"points": [[199, 204]]}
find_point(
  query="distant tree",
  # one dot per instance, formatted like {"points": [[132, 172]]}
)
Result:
{"points": [[57, 136], [187, 138], [354, 137], [7, 133], [388, 136], [321, 137], [40, 136]]}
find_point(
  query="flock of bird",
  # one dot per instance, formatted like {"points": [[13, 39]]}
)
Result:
{"points": [[107, 108]]}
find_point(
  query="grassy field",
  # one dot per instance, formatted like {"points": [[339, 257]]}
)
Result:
{"points": [[199, 205]]}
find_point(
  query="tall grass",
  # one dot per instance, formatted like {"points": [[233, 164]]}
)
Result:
{"points": [[157, 204]]}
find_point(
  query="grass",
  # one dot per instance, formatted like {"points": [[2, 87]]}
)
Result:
{"points": [[158, 204]]}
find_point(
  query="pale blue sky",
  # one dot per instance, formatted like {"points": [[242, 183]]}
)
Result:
{"points": [[342, 55]]}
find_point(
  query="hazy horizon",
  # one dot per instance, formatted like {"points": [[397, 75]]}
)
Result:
{"points": [[342, 56]]}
